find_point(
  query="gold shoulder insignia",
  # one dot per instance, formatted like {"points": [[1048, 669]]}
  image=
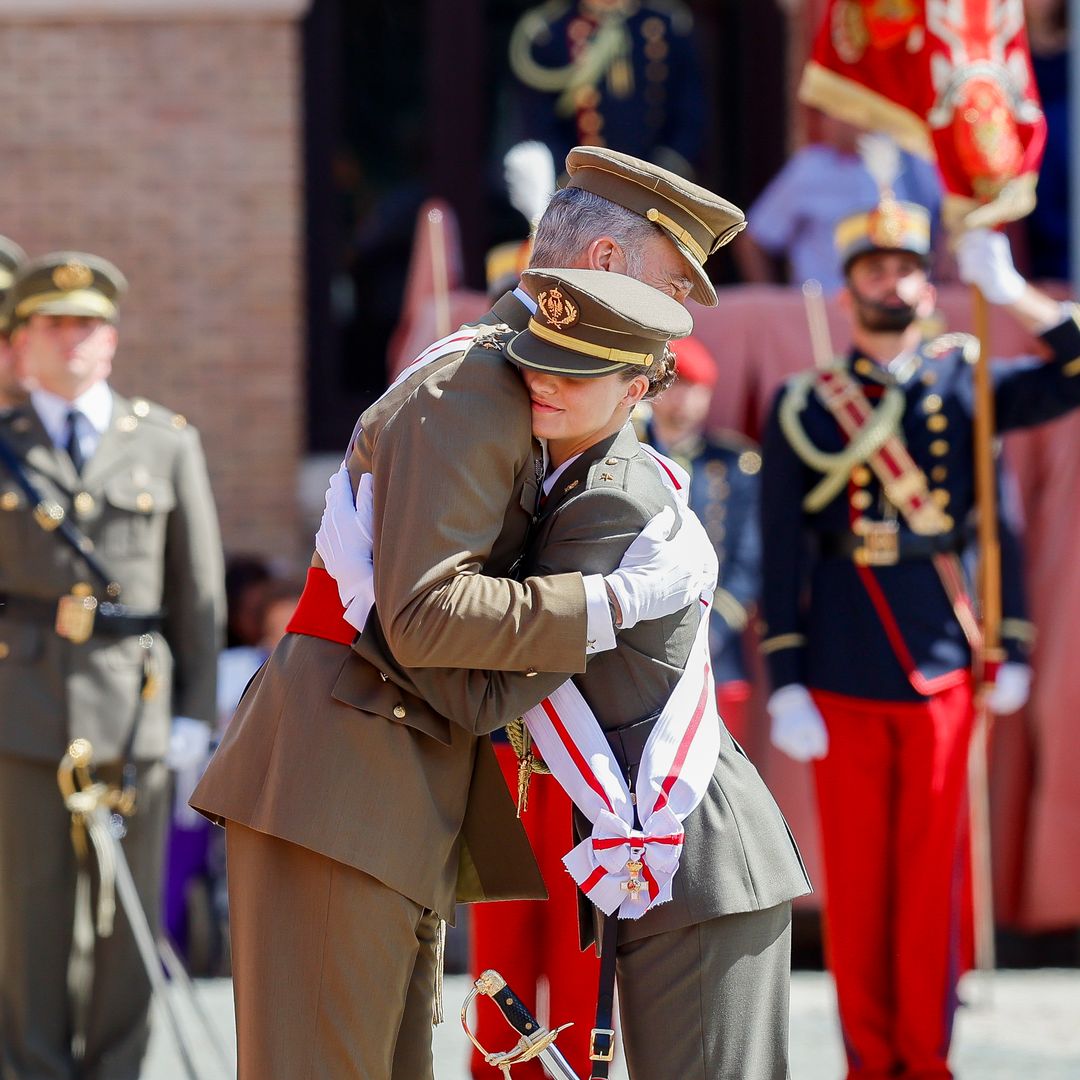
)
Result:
{"points": [[179, 422], [750, 462], [944, 344]]}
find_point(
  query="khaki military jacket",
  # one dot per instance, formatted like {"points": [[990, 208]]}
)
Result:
{"points": [[739, 854], [144, 500], [327, 750]]}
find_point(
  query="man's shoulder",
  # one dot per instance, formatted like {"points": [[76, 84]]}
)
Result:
{"points": [[736, 451], [135, 414]]}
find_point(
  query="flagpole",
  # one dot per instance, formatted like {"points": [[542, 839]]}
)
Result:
{"points": [[989, 593]]}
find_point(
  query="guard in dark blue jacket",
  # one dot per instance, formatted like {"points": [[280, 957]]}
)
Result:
{"points": [[618, 73], [725, 480], [867, 484]]}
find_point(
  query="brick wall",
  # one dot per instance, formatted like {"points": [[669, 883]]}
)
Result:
{"points": [[171, 145]]}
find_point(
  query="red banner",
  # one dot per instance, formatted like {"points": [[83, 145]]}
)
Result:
{"points": [[950, 80]]}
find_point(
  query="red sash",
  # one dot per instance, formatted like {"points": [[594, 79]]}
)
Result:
{"points": [[319, 611]]}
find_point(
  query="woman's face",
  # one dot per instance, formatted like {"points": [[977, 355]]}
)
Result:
{"points": [[573, 414]]}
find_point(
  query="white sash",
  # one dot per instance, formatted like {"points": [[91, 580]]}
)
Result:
{"points": [[619, 867]]}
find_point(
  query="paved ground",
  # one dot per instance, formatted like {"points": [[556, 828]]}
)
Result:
{"points": [[1022, 1026]]}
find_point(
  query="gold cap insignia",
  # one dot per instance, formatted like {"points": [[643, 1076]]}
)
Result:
{"points": [[887, 223], [72, 276], [557, 308]]}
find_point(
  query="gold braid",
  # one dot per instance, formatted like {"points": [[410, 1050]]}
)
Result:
{"points": [[610, 44], [883, 424]]}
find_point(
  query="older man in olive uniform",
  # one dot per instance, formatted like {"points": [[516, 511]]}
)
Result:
{"points": [[11, 388], [356, 812], [101, 498]]}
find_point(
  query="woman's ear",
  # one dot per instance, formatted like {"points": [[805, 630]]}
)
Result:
{"points": [[636, 389]]}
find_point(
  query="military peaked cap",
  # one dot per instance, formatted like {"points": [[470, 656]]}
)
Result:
{"points": [[66, 283]]}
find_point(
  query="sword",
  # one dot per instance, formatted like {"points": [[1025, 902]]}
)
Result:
{"points": [[536, 1040], [90, 803]]}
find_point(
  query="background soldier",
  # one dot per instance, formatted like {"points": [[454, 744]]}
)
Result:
{"points": [[614, 73], [130, 477], [724, 468], [11, 389], [866, 487]]}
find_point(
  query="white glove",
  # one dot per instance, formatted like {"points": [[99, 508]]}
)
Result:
{"points": [[658, 576], [188, 753], [345, 543], [984, 258], [1011, 689], [797, 726]]}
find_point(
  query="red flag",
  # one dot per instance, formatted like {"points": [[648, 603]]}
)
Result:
{"points": [[950, 80]]}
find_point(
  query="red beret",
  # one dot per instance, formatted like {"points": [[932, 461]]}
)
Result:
{"points": [[694, 363]]}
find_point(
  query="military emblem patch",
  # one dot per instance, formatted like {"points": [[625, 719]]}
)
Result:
{"points": [[557, 308]]}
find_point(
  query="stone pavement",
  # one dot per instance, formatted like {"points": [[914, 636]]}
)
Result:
{"points": [[1024, 1025]]}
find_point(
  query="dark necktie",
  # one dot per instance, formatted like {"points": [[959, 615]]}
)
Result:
{"points": [[72, 444]]}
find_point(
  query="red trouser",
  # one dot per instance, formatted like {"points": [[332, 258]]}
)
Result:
{"points": [[731, 700], [891, 797], [533, 942]]}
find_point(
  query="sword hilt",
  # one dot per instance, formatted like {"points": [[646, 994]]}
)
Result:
{"points": [[535, 1038]]}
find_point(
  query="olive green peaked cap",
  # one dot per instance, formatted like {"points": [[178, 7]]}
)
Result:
{"points": [[697, 220], [11, 258], [590, 323], [66, 283]]}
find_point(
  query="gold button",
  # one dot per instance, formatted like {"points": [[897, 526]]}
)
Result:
{"points": [[144, 501], [9, 501], [140, 407], [947, 522], [864, 366], [937, 422], [861, 500], [860, 526], [399, 711], [932, 403], [750, 462], [612, 461], [938, 473], [530, 673], [929, 378], [860, 476], [84, 502], [939, 447], [179, 422], [941, 497], [127, 423], [5, 650]]}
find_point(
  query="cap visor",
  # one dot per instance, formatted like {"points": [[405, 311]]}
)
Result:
{"points": [[703, 292], [526, 350]]}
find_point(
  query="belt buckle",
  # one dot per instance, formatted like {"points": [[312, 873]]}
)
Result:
{"points": [[75, 614], [880, 544], [602, 1055]]}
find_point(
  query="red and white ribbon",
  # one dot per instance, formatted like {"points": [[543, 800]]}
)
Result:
{"points": [[620, 867]]}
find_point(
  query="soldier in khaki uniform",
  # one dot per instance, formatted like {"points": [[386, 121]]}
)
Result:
{"points": [[356, 812], [131, 478], [11, 389]]}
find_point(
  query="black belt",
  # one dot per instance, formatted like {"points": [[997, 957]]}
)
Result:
{"points": [[907, 546], [628, 746], [110, 619]]}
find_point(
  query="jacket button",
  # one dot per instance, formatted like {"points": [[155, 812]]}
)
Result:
{"points": [[399, 711], [530, 673]]}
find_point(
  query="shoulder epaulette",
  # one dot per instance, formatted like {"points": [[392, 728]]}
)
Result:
{"points": [[608, 472], [141, 409]]}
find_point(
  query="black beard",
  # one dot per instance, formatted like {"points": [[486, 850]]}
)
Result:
{"points": [[882, 318]]}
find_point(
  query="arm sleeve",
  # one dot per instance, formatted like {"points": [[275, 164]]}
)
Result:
{"points": [[783, 556], [772, 218], [194, 590], [444, 470], [593, 532]]}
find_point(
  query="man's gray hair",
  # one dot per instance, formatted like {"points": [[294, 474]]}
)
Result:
{"points": [[575, 218]]}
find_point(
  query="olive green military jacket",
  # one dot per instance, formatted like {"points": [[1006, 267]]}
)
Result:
{"points": [[326, 749], [739, 854], [144, 500]]}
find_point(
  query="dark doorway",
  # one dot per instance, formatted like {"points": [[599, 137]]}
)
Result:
{"points": [[407, 99]]}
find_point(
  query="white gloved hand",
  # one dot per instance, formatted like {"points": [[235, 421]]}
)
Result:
{"points": [[797, 725], [984, 258], [345, 543], [659, 576], [1011, 689], [188, 753]]}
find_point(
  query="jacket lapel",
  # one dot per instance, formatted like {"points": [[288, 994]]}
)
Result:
{"points": [[31, 442], [112, 450], [622, 444]]}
